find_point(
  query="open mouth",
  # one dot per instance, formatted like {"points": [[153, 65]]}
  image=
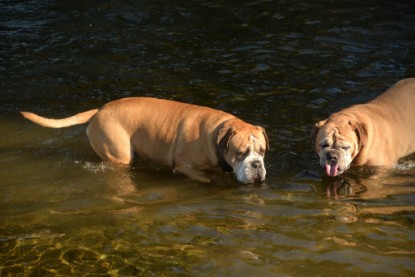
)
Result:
{"points": [[332, 169]]}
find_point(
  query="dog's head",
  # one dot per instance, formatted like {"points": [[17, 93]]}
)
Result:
{"points": [[242, 151], [338, 141]]}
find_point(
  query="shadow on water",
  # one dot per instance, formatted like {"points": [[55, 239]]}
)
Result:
{"points": [[280, 64]]}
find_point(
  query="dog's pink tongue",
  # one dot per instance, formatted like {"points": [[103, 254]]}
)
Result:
{"points": [[331, 170]]}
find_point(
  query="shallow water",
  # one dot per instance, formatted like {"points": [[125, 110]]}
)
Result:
{"points": [[280, 64]]}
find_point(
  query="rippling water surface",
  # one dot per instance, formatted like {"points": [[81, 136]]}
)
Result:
{"points": [[280, 64]]}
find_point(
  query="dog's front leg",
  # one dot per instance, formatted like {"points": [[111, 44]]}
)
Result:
{"points": [[192, 173]]}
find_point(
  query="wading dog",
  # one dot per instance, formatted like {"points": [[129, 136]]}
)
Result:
{"points": [[377, 133], [188, 138]]}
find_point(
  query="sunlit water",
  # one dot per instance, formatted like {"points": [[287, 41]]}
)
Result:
{"points": [[280, 64]]}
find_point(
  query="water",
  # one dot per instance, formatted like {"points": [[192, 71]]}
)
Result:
{"points": [[280, 64]]}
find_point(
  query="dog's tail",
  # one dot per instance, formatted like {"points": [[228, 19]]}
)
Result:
{"points": [[79, 118]]}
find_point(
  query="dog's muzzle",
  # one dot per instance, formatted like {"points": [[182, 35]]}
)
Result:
{"points": [[335, 162], [250, 171]]}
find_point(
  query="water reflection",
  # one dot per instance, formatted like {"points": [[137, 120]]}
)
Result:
{"points": [[378, 185], [369, 188], [390, 194]]}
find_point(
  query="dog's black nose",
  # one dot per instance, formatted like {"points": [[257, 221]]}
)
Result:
{"points": [[331, 157], [256, 164]]}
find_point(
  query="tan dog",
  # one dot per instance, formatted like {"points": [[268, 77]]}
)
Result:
{"points": [[377, 133], [187, 138]]}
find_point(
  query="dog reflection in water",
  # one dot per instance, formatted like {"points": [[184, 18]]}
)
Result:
{"points": [[368, 188]]}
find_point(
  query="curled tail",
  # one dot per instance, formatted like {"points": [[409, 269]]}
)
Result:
{"points": [[79, 118]]}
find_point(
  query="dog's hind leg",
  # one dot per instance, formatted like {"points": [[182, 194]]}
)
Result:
{"points": [[114, 145]]}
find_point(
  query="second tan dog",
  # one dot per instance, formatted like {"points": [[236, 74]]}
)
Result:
{"points": [[377, 133], [185, 137]]}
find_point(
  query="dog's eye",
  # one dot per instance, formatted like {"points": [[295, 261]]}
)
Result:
{"points": [[324, 145], [346, 147], [261, 152], [241, 154]]}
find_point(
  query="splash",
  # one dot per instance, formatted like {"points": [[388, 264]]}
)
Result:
{"points": [[406, 165], [95, 167]]}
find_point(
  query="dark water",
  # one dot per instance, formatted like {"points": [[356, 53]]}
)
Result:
{"points": [[280, 64]]}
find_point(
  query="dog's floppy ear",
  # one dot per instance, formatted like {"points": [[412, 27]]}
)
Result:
{"points": [[265, 136], [314, 132], [222, 144], [361, 132], [266, 139], [224, 137]]}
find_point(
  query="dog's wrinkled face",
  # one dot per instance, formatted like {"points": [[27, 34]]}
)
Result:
{"points": [[244, 151], [338, 142]]}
